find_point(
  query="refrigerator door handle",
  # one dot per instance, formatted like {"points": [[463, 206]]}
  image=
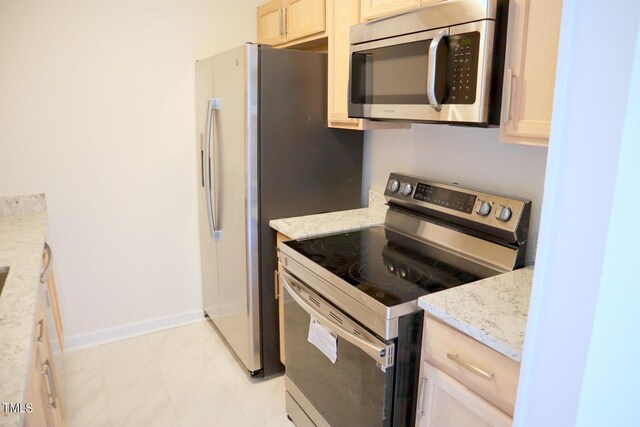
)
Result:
{"points": [[210, 185], [202, 158]]}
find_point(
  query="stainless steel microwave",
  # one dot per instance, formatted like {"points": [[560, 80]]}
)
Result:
{"points": [[440, 63]]}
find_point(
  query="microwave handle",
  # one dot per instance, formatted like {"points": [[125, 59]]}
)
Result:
{"points": [[431, 69]]}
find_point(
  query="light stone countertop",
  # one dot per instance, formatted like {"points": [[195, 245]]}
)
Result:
{"points": [[23, 222], [493, 311], [334, 222]]}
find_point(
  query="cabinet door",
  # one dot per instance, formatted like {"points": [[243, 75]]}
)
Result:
{"points": [[271, 23], [530, 69], [52, 301], [44, 391], [304, 18], [54, 306], [280, 238], [372, 9], [38, 395], [489, 374], [345, 14], [444, 402]]}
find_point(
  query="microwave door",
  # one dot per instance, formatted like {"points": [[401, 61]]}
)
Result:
{"points": [[391, 79]]}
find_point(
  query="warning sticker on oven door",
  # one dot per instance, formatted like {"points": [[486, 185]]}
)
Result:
{"points": [[325, 340]]}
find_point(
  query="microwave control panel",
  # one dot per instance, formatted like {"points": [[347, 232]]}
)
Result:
{"points": [[462, 69]]}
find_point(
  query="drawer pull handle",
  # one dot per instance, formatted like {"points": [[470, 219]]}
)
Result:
{"points": [[52, 394], [469, 367], [421, 391], [48, 255], [40, 325]]}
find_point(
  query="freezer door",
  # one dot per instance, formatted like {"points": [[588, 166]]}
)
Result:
{"points": [[204, 92], [234, 171]]}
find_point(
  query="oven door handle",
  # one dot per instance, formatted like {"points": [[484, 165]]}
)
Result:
{"points": [[383, 354], [432, 68]]}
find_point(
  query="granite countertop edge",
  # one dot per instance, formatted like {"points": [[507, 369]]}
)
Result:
{"points": [[308, 226], [23, 221], [483, 315], [496, 344], [328, 223]]}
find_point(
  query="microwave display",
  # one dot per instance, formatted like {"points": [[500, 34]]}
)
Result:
{"points": [[397, 74]]}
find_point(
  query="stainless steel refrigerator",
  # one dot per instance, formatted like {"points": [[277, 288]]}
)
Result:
{"points": [[264, 152]]}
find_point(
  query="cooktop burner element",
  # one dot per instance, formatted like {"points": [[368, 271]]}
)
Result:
{"points": [[338, 246], [384, 264], [376, 273]]}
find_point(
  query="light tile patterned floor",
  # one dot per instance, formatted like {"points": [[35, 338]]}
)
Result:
{"points": [[182, 377]]}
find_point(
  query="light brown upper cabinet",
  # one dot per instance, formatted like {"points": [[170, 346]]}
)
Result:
{"points": [[530, 69], [271, 23], [305, 18], [320, 25], [345, 13], [291, 22], [373, 9]]}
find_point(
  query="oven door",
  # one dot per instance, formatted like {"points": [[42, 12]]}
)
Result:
{"points": [[354, 390], [441, 75]]}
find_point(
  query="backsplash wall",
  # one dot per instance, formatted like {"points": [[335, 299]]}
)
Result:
{"points": [[471, 157]]}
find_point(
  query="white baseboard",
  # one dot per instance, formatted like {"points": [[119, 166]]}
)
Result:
{"points": [[130, 330]]}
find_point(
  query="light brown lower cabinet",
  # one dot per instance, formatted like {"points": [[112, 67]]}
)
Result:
{"points": [[462, 381], [447, 403], [51, 298], [280, 293], [44, 392]]}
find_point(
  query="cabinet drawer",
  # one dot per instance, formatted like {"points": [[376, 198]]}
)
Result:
{"points": [[482, 369]]}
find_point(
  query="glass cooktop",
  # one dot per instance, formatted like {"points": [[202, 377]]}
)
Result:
{"points": [[388, 266]]}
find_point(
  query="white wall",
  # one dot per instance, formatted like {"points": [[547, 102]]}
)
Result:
{"points": [[581, 347], [469, 156], [97, 111], [612, 349]]}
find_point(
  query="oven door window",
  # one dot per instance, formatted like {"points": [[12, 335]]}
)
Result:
{"points": [[353, 391], [396, 74]]}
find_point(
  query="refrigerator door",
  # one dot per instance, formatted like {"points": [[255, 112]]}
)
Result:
{"points": [[208, 257], [305, 167], [234, 171]]}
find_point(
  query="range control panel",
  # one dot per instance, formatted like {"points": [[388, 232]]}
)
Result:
{"points": [[491, 210], [457, 200]]}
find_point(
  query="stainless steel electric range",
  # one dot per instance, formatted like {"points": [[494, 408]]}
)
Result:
{"points": [[352, 325]]}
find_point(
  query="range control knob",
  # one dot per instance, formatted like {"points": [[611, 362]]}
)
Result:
{"points": [[484, 208], [503, 213], [406, 189], [393, 185]]}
